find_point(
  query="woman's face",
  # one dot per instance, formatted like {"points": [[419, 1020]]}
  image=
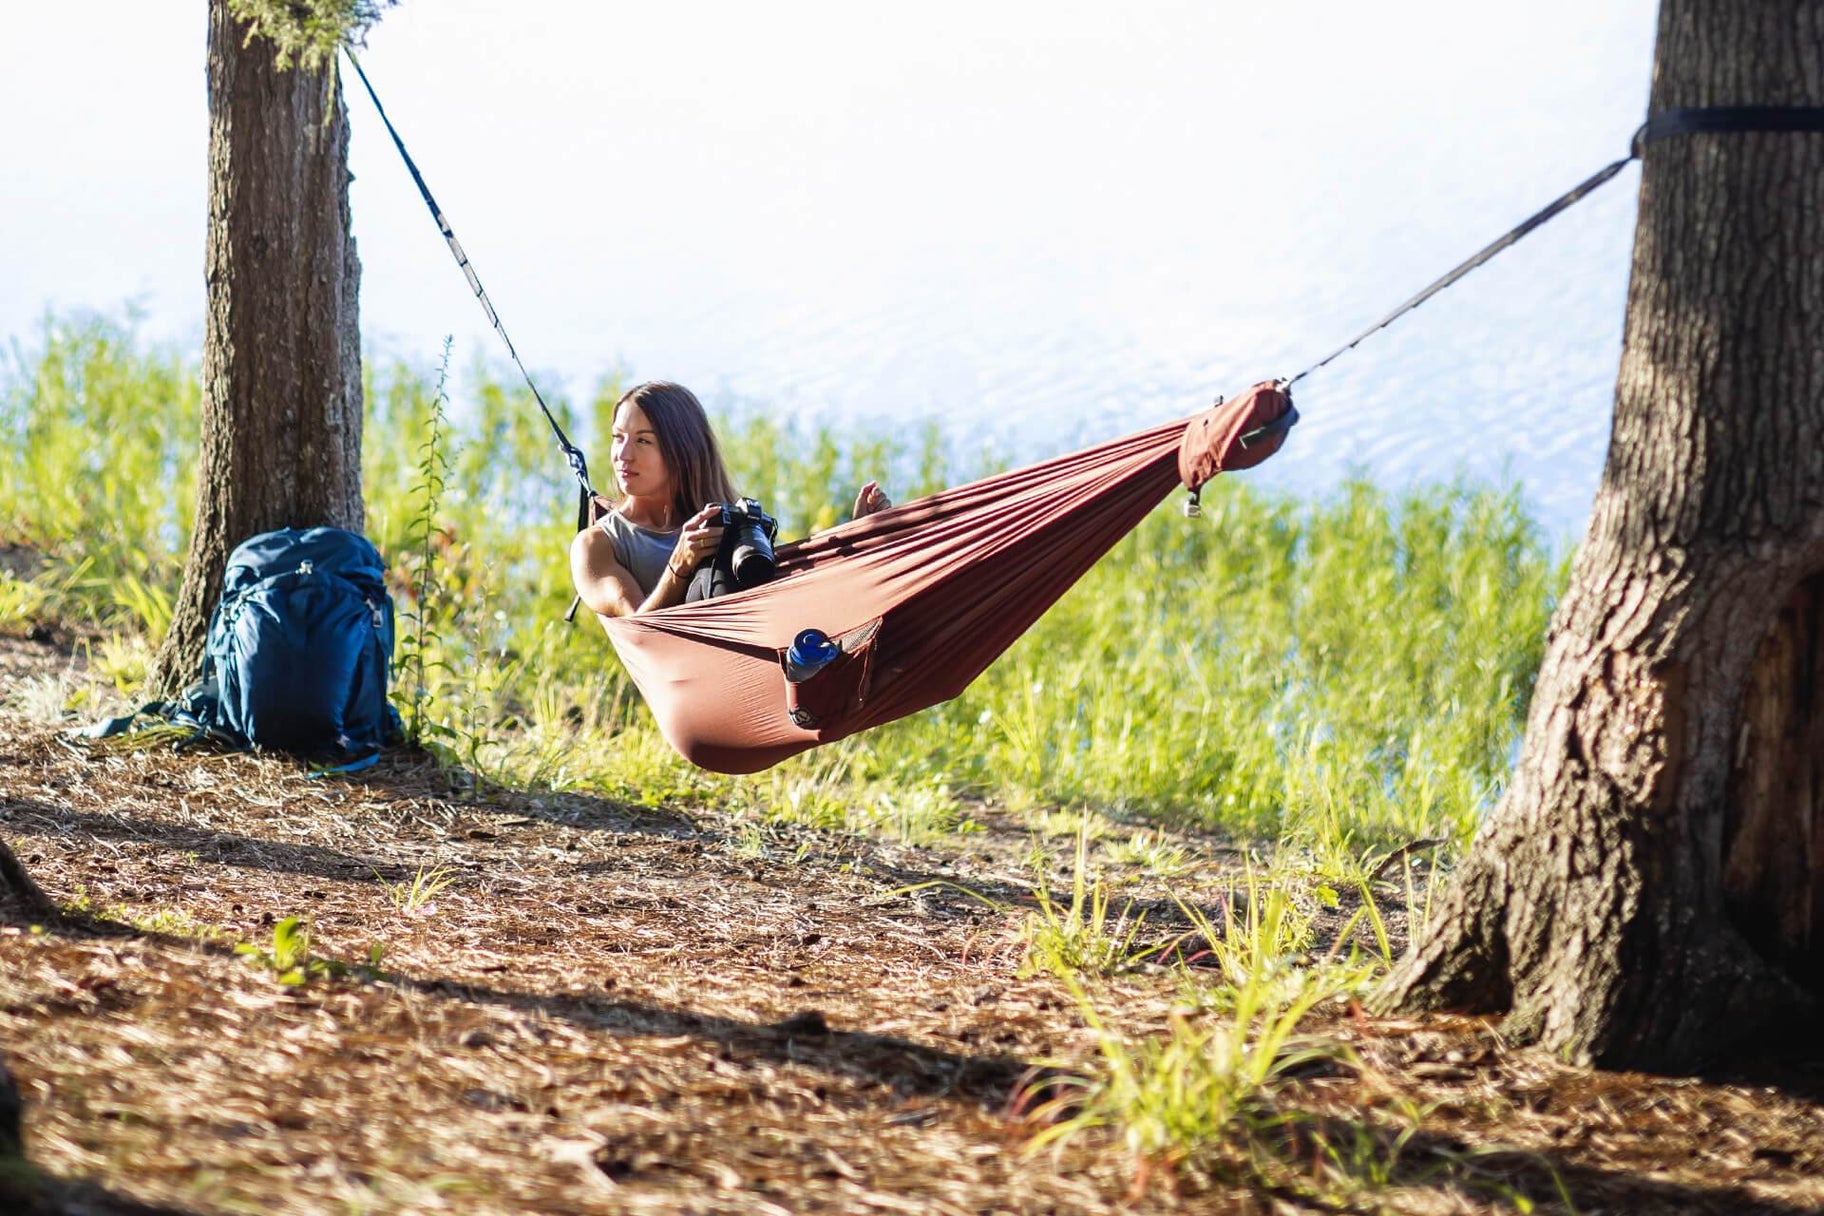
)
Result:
{"points": [[639, 465]]}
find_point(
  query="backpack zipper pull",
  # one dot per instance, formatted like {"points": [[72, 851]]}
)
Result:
{"points": [[305, 567]]}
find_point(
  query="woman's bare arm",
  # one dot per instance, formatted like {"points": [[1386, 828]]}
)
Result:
{"points": [[608, 589]]}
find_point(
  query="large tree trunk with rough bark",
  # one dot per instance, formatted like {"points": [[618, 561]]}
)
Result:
{"points": [[281, 425], [1650, 891]]}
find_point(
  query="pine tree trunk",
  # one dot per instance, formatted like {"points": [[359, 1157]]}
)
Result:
{"points": [[1650, 890], [281, 425]]}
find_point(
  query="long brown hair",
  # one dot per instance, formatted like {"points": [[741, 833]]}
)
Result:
{"points": [[688, 446]]}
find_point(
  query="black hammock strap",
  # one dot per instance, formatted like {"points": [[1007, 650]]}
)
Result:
{"points": [[1697, 120], [1709, 120], [572, 454]]}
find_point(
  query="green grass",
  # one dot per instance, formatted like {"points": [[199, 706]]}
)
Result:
{"points": [[99, 474], [1204, 1095], [1086, 935]]}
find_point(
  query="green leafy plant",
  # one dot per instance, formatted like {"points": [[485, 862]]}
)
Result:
{"points": [[22, 601], [1152, 852], [421, 637], [293, 965], [123, 659], [308, 32], [147, 604], [289, 959], [1264, 931], [923, 815]]}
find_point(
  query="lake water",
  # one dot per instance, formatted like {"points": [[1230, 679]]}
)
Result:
{"points": [[1043, 223]]}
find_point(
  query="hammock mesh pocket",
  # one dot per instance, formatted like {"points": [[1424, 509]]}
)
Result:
{"points": [[838, 689]]}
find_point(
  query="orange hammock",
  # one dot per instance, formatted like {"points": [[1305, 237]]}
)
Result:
{"points": [[921, 597]]}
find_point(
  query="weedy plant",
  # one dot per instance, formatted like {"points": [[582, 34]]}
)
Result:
{"points": [[922, 815], [293, 965], [289, 958], [1263, 935], [22, 603], [122, 658], [421, 638], [1152, 852], [1205, 1096], [1202, 1094], [175, 922], [1085, 936], [415, 898]]}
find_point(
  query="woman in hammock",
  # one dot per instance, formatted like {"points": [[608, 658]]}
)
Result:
{"points": [[642, 550]]}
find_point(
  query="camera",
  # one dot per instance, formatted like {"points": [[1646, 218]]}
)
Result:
{"points": [[745, 557]]}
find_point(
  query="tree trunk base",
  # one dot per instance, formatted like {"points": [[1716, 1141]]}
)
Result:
{"points": [[17, 889], [1595, 944], [1726, 1003]]}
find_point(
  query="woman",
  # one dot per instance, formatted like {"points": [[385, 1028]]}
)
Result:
{"points": [[641, 551]]}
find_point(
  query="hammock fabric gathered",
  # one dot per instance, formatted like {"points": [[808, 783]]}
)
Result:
{"points": [[921, 597]]}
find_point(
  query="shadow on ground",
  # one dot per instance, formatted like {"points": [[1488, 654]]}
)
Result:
{"points": [[908, 1068], [1542, 1180], [27, 1191], [911, 1069], [405, 773]]}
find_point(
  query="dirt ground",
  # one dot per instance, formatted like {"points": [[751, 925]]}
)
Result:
{"points": [[618, 1008]]}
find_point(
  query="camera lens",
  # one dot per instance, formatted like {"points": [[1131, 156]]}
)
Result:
{"points": [[752, 559]]}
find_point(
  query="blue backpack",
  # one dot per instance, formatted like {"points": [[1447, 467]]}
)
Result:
{"points": [[299, 652], [301, 645]]}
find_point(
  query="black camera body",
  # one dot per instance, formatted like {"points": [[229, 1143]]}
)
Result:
{"points": [[744, 558]]}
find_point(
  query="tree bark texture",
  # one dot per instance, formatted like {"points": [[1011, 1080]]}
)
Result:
{"points": [[17, 888], [281, 424], [17, 891], [1650, 891]]}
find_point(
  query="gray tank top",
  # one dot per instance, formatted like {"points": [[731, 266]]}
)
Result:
{"points": [[642, 551]]}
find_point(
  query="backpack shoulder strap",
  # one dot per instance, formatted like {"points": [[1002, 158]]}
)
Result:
{"points": [[194, 711]]}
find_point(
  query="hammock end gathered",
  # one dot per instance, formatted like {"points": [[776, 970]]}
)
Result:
{"points": [[1235, 434]]}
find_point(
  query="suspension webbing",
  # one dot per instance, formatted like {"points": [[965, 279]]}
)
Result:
{"points": [[1574, 195], [1708, 120], [572, 454], [1696, 120]]}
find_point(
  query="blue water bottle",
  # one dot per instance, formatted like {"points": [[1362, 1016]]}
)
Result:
{"points": [[810, 652]]}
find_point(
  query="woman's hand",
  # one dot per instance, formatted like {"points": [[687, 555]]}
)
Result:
{"points": [[697, 541], [871, 499]]}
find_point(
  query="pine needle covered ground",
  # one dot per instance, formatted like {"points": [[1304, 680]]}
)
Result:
{"points": [[512, 1002], [1089, 938]]}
